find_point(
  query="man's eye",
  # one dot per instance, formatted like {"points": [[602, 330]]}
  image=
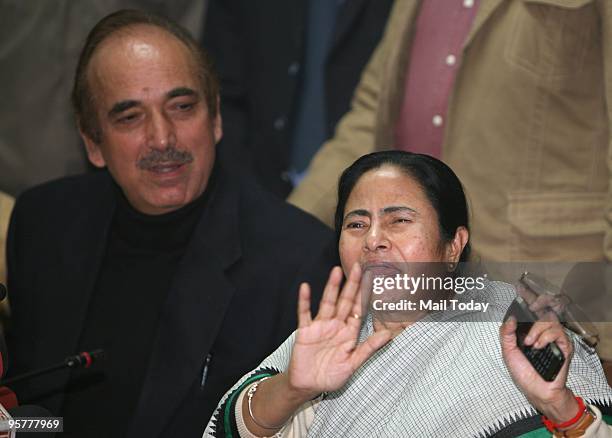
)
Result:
{"points": [[355, 225], [184, 106], [401, 220], [128, 118]]}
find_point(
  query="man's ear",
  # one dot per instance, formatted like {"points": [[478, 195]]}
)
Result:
{"points": [[94, 153], [455, 246], [218, 123]]}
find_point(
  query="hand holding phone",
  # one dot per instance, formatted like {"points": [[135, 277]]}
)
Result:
{"points": [[547, 361], [543, 384]]}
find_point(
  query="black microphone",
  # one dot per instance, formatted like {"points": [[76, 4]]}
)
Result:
{"points": [[81, 360], [2, 292]]}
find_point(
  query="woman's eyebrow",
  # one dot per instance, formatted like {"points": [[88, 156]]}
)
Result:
{"points": [[359, 212], [396, 208]]}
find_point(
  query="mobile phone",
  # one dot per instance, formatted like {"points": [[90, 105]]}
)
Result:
{"points": [[547, 361]]}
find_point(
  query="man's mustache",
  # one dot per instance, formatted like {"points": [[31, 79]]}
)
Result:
{"points": [[170, 155]]}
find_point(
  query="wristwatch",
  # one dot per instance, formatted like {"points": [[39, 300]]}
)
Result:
{"points": [[579, 428]]}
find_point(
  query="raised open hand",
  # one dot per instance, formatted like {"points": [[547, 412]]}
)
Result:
{"points": [[326, 353]]}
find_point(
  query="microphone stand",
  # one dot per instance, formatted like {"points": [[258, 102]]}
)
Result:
{"points": [[82, 360]]}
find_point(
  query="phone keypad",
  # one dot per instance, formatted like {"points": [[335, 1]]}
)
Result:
{"points": [[546, 361]]}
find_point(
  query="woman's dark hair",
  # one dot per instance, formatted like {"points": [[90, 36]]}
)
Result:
{"points": [[440, 184]]}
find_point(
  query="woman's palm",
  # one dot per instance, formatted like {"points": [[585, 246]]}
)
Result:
{"points": [[325, 353]]}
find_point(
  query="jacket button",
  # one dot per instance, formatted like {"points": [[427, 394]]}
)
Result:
{"points": [[279, 123], [294, 68]]}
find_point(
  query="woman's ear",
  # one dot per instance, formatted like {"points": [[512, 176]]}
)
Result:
{"points": [[455, 247]]}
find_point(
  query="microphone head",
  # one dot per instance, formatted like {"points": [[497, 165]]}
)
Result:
{"points": [[3, 292], [84, 359]]}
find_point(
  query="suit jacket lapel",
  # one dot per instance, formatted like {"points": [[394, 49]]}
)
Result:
{"points": [[193, 312], [402, 18], [400, 31]]}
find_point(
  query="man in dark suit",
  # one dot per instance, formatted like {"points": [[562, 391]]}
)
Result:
{"points": [[184, 274], [288, 70]]}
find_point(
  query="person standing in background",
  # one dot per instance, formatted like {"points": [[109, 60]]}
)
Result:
{"points": [[515, 97], [288, 70]]}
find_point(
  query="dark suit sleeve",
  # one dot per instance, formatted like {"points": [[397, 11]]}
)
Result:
{"points": [[19, 333], [224, 41]]}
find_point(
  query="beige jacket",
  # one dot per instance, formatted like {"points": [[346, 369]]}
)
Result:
{"points": [[526, 130], [6, 207]]}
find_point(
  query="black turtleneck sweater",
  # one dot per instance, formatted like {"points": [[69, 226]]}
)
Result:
{"points": [[140, 261]]}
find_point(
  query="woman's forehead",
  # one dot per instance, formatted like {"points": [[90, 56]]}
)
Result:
{"points": [[384, 185]]}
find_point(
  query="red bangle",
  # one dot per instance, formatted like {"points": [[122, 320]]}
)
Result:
{"points": [[552, 427]]}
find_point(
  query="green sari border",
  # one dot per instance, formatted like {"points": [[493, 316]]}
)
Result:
{"points": [[230, 401]]}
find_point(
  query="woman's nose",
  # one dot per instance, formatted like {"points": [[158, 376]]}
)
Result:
{"points": [[376, 240]]}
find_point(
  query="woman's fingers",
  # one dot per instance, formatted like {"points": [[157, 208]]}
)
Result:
{"points": [[327, 307], [550, 334], [349, 292], [536, 330], [554, 333], [507, 333], [565, 344], [544, 332], [304, 315], [355, 317], [511, 353], [339, 307]]}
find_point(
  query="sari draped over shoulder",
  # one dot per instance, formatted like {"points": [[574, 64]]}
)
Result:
{"points": [[442, 376]]}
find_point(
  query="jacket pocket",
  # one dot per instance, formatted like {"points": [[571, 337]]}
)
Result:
{"points": [[551, 38], [557, 226]]}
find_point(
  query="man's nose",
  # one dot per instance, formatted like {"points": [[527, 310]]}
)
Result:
{"points": [[161, 131], [376, 240]]}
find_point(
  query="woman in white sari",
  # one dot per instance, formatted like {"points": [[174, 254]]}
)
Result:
{"points": [[350, 373]]}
